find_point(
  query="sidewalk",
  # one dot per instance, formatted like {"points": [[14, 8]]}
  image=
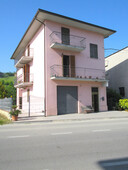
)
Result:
{"points": [[74, 117]]}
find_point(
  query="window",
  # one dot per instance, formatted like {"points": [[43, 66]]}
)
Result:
{"points": [[68, 63], [20, 102], [122, 91], [65, 36], [93, 51]]}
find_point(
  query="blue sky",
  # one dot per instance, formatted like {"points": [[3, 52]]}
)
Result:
{"points": [[16, 16]]}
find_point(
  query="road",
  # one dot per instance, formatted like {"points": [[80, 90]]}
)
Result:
{"points": [[79, 145]]}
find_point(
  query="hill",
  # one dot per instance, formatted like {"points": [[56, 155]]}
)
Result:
{"points": [[8, 79], [8, 74]]}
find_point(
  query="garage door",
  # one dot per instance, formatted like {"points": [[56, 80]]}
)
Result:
{"points": [[67, 99]]}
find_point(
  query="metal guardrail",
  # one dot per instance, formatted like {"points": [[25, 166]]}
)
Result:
{"points": [[76, 72], [23, 78], [73, 40], [30, 53], [6, 104]]}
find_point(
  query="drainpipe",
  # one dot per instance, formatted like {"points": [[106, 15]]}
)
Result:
{"points": [[44, 70]]}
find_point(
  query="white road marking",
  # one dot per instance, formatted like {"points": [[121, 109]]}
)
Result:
{"points": [[101, 130], [24, 136], [115, 163], [62, 133]]}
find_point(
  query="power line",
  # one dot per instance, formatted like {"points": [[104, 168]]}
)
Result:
{"points": [[111, 49]]}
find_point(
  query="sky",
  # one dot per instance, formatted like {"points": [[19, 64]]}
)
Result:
{"points": [[16, 15]]}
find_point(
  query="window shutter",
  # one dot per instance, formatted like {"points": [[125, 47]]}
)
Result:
{"points": [[72, 64], [93, 51], [65, 36]]}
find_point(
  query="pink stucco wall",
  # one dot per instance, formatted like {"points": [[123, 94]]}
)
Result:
{"points": [[48, 57], [82, 59]]}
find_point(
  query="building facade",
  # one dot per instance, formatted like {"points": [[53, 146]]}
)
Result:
{"points": [[60, 65], [117, 71]]}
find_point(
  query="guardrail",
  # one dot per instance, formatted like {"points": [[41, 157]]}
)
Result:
{"points": [[23, 78], [30, 52], [73, 40], [76, 72]]}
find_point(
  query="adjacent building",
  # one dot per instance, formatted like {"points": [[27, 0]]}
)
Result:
{"points": [[117, 71], [60, 65]]}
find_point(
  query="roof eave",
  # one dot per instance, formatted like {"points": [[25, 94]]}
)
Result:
{"points": [[105, 31]]}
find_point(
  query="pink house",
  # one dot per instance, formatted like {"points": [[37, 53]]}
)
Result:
{"points": [[60, 66]]}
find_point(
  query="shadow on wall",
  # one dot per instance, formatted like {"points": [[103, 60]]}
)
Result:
{"points": [[114, 164], [118, 76]]}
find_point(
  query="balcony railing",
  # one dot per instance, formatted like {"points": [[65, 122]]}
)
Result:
{"points": [[65, 42], [76, 73], [24, 58], [24, 80]]}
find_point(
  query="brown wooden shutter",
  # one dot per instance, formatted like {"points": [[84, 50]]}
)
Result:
{"points": [[26, 72], [72, 65], [93, 51], [28, 50]]}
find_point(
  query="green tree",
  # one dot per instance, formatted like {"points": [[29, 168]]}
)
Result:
{"points": [[11, 92], [3, 92]]}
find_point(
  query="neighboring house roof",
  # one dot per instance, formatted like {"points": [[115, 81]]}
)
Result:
{"points": [[116, 58], [116, 52], [43, 15]]}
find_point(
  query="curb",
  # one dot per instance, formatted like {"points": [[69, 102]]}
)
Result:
{"points": [[65, 120]]}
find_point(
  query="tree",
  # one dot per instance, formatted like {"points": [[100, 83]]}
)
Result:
{"points": [[11, 92], [3, 92], [8, 90]]}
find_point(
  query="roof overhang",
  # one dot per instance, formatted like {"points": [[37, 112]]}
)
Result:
{"points": [[43, 15]]}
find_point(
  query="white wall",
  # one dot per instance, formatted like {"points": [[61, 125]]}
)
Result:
{"points": [[117, 70], [37, 72]]}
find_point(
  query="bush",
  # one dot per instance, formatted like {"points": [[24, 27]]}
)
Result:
{"points": [[123, 103], [4, 119], [14, 111]]}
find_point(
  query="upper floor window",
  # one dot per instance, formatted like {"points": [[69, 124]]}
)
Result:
{"points": [[65, 36], [122, 91], [93, 51]]}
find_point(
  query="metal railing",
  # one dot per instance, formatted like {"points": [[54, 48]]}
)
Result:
{"points": [[24, 78], [28, 52], [73, 40], [76, 72]]}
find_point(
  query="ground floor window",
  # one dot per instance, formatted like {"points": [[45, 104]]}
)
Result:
{"points": [[122, 91], [20, 102]]}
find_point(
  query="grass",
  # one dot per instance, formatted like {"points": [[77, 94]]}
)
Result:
{"points": [[10, 78], [4, 120]]}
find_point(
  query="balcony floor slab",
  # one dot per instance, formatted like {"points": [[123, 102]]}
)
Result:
{"points": [[103, 81], [23, 85], [67, 47]]}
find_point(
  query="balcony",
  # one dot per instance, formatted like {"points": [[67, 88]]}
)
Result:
{"points": [[25, 59], [59, 72], [69, 43], [23, 81]]}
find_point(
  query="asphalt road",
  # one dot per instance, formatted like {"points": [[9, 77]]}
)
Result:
{"points": [[89, 145]]}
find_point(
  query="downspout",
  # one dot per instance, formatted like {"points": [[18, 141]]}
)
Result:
{"points": [[44, 70]]}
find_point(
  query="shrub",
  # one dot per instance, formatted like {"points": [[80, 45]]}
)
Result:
{"points": [[14, 111], [123, 103], [4, 119]]}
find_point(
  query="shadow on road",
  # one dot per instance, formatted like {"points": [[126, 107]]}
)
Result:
{"points": [[114, 164]]}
